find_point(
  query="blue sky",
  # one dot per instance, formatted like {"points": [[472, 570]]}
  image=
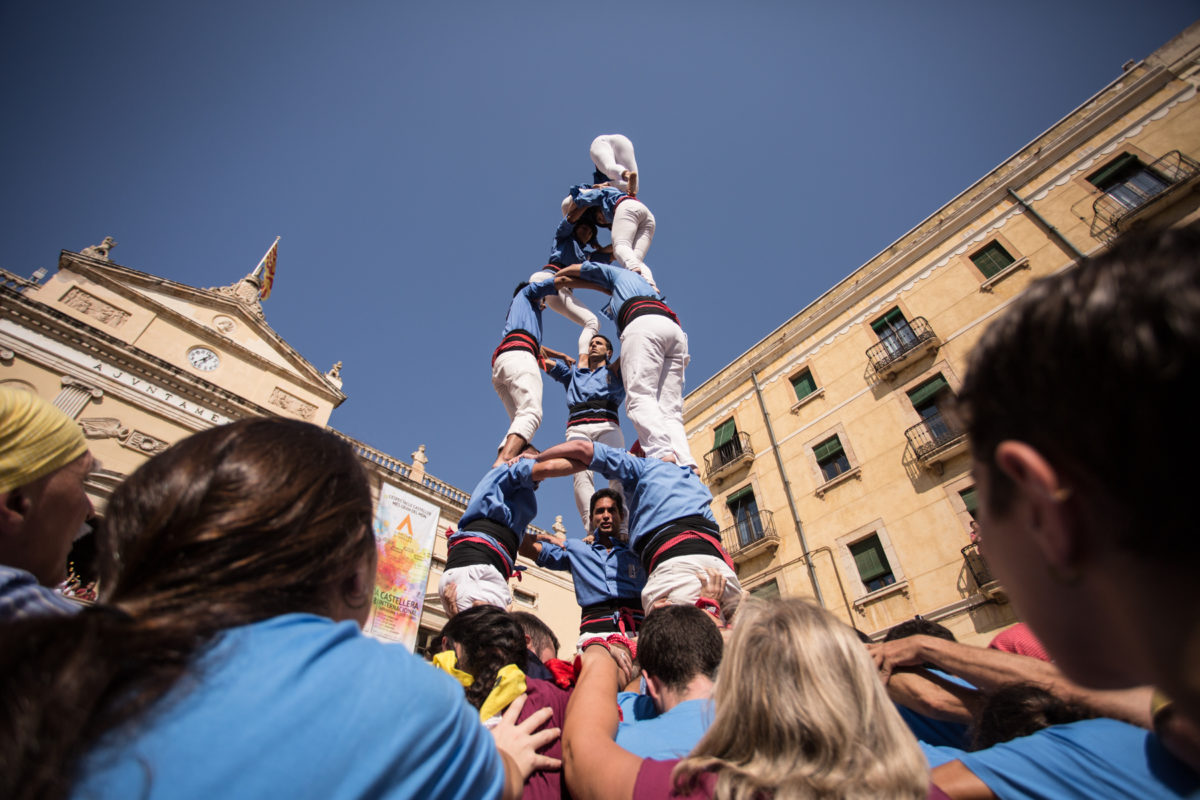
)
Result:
{"points": [[413, 156]]}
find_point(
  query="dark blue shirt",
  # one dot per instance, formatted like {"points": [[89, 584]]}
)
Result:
{"points": [[600, 574], [657, 492]]}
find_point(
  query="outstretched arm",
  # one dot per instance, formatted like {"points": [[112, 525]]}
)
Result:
{"points": [[569, 278], [579, 450], [596, 767]]}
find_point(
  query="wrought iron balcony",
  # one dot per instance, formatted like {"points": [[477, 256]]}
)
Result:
{"points": [[936, 439], [981, 573], [902, 345], [1114, 210], [751, 535], [728, 456]]}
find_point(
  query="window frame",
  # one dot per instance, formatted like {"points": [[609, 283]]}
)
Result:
{"points": [[849, 565], [821, 482]]}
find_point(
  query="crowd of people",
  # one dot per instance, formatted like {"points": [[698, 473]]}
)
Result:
{"points": [[224, 655]]}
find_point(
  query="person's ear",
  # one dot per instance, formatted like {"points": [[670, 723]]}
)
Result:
{"points": [[654, 688], [1045, 503], [14, 507]]}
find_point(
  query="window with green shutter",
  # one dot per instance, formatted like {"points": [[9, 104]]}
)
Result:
{"points": [[992, 259], [804, 384], [927, 391], [872, 563], [746, 519], [831, 457], [968, 498], [724, 433], [766, 591]]}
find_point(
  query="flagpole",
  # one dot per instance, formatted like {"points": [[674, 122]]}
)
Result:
{"points": [[263, 260]]}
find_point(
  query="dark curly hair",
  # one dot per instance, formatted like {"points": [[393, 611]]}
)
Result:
{"points": [[489, 639]]}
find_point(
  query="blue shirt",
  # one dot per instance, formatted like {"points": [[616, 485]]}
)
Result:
{"points": [[504, 495], [672, 734], [938, 732], [621, 282], [525, 310], [1087, 759], [566, 249], [657, 492], [301, 706], [21, 597], [599, 573], [585, 384], [606, 197]]}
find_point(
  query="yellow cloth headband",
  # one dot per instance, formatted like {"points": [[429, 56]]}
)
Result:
{"points": [[35, 439], [510, 683]]}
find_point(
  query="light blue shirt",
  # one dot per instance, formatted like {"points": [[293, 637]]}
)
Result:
{"points": [[657, 492], [672, 734], [599, 573], [525, 310], [505, 495], [1092, 758], [301, 706], [585, 384], [621, 282]]}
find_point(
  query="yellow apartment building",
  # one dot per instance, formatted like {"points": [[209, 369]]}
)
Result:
{"points": [[836, 463], [142, 362]]}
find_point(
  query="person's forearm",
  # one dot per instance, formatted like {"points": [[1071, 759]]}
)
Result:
{"points": [[579, 450], [985, 668], [514, 784], [557, 468], [932, 697]]}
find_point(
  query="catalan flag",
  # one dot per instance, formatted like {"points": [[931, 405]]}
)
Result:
{"points": [[266, 268]]}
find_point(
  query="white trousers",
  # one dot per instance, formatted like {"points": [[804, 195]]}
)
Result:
{"points": [[518, 380], [654, 354], [608, 433], [565, 303], [612, 154], [478, 582], [632, 233], [677, 580]]}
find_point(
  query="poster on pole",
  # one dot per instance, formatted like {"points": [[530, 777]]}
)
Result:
{"points": [[405, 530]]}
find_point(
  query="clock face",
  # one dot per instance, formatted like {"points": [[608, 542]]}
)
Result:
{"points": [[203, 359]]}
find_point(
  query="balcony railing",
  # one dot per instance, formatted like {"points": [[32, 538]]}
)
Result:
{"points": [[728, 455], [933, 434], [981, 573], [1119, 204], [897, 346], [750, 532]]}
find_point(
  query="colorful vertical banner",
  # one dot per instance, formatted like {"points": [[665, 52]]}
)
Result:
{"points": [[405, 530]]}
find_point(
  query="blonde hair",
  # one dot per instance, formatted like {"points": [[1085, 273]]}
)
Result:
{"points": [[801, 713]]}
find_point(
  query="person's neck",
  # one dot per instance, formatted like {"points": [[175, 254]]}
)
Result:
{"points": [[699, 688], [596, 363]]}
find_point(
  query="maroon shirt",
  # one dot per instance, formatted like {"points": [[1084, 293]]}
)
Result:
{"points": [[546, 785]]}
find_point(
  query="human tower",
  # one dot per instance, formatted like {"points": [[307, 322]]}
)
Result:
{"points": [[668, 524]]}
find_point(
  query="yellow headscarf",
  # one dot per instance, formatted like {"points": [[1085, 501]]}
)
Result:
{"points": [[510, 683], [35, 439]]}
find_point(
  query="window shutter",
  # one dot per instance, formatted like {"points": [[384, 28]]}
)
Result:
{"points": [[888, 321], [739, 496], [927, 391], [827, 449], [1104, 177], [724, 433], [968, 498], [992, 259], [804, 384], [869, 558], [767, 591]]}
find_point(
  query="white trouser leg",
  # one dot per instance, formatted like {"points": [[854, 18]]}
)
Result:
{"points": [[653, 356], [677, 580], [632, 233], [476, 582], [565, 303], [518, 381], [608, 433], [612, 154], [670, 399]]}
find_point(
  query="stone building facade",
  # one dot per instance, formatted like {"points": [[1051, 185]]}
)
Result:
{"points": [[838, 468], [142, 362]]}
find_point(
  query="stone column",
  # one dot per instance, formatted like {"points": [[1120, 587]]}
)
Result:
{"points": [[74, 395]]}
